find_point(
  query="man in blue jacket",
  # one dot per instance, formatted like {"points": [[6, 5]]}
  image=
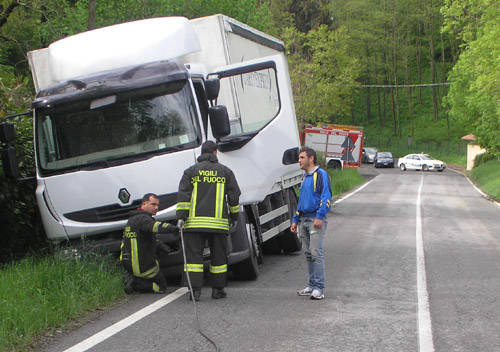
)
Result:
{"points": [[310, 220]]}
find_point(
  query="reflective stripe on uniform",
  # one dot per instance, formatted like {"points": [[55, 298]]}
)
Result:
{"points": [[155, 226], [205, 225], [234, 209], [219, 200], [156, 288], [135, 262], [121, 251], [150, 273], [207, 222], [194, 268], [134, 251], [194, 195], [315, 179], [183, 205], [220, 269]]}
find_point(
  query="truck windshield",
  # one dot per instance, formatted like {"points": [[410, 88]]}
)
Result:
{"points": [[122, 127]]}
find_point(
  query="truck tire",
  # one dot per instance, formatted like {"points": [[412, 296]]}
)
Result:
{"points": [[248, 269], [334, 164], [290, 242]]}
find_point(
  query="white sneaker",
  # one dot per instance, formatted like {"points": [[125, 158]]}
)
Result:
{"points": [[317, 294], [305, 291]]}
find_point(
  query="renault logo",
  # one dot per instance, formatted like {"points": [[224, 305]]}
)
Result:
{"points": [[123, 195]]}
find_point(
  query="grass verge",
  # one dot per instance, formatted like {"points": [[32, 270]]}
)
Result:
{"points": [[487, 177], [344, 180], [39, 294]]}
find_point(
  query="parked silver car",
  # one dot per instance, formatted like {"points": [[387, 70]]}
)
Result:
{"points": [[368, 155]]}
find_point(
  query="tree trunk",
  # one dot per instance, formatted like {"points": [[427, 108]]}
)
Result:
{"points": [[394, 73], [379, 108], [92, 8], [419, 56], [408, 77], [368, 90], [429, 29], [443, 67]]}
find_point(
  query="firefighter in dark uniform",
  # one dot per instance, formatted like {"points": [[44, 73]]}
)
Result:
{"points": [[139, 246], [207, 200]]}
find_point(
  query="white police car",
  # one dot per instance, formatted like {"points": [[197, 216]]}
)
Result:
{"points": [[422, 162]]}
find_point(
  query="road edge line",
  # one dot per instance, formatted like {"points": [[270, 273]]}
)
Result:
{"points": [[355, 191], [126, 322], [425, 338], [477, 188]]}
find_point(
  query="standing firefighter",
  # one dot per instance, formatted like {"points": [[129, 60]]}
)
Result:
{"points": [[139, 245], [208, 197]]}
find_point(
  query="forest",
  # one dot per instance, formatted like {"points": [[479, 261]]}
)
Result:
{"points": [[411, 72]]}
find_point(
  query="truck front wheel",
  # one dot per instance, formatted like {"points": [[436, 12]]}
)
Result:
{"points": [[248, 269], [290, 242], [334, 164]]}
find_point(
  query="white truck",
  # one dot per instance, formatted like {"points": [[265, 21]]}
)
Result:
{"points": [[122, 110]]}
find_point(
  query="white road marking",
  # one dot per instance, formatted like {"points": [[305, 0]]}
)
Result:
{"points": [[354, 192], [126, 322], [425, 340], [475, 187]]}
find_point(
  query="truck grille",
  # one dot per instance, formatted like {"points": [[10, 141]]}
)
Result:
{"points": [[115, 212]]}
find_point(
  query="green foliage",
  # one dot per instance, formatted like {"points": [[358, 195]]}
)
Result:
{"points": [[474, 97], [321, 160], [344, 180], [487, 177], [40, 294], [18, 212], [483, 158], [323, 73]]}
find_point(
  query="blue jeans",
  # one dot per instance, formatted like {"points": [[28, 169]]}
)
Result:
{"points": [[313, 239]]}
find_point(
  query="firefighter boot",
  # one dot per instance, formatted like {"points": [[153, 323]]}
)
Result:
{"points": [[218, 293], [130, 285], [196, 294]]}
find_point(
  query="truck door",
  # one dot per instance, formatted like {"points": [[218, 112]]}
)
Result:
{"points": [[259, 101]]}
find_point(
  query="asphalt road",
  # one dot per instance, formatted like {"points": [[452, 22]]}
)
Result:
{"points": [[374, 299]]}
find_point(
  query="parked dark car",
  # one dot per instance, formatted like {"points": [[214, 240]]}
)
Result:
{"points": [[383, 159], [368, 155]]}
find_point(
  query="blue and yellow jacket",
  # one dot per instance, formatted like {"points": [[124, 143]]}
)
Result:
{"points": [[315, 196]]}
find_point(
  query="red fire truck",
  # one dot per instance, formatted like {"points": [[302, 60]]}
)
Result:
{"points": [[342, 145]]}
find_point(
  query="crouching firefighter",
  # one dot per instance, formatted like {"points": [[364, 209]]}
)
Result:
{"points": [[208, 198], [139, 245]]}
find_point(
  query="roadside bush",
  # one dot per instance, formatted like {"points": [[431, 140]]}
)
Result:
{"points": [[483, 158], [18, 212], [321, 160]]}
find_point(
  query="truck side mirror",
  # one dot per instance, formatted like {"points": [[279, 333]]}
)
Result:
{"points": [[212, 87], [7, 132], [219, 120], [291, 156], [9, 162]]}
